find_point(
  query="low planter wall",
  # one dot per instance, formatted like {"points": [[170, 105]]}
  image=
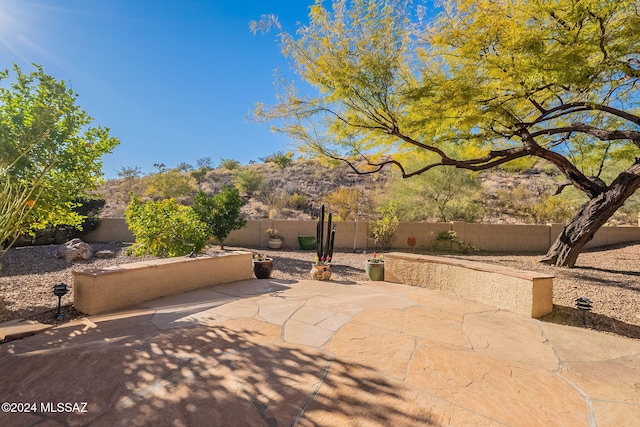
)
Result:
{"points": [[524, 292], [101, 290]]}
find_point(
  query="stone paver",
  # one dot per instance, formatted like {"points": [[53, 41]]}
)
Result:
{"points": [[21, 328], [279, 353]]}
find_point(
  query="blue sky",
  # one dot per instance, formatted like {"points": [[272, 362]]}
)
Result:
{"points": [[175, 80]]}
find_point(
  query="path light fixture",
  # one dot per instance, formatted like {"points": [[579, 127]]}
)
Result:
{"points": [[584, 304], [60, 290]]}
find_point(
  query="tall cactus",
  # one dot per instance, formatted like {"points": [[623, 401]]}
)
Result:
{"points": [[324, 249]]}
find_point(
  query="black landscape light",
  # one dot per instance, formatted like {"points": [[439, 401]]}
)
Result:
{"points": [[60, 290], [584, 304]]}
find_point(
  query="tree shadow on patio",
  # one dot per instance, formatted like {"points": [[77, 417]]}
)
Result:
{"points": [[238, 373]]}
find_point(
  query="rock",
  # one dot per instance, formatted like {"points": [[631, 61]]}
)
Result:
{"points": [[75, 250], [105, 254]]}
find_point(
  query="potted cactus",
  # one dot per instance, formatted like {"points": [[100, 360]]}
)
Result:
{"points": [[321, 268]]}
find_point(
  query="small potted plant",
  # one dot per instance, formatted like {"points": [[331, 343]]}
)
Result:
{"points": [[321, 268], [375, 267], [262, 266], [275, 239]]}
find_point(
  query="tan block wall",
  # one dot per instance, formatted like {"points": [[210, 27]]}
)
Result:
{"points": [[252, 235], [488, 237], [498, 237], [519, 291], [611, 235], [101, 290], [425, 233], [110, 230]]}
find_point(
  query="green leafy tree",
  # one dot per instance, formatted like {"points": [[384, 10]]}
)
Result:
{"points": [[220, 213], [164, 228], [55, 151], [130, 172], [448, 194], [205, 163], [482, 84], [184, 167]]}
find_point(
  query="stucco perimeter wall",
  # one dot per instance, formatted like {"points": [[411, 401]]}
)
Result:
{"points": [[355, 235], [110, 230], [101, 290], [519, 291]]}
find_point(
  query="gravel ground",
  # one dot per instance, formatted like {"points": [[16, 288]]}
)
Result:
{"points": [[608, 277]]}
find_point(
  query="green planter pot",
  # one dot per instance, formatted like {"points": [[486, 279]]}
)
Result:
{"points": [[375, 270], [307, 243]]}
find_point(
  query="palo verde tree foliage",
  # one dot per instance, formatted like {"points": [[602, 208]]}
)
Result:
{"points": [[16, 202], [483, 83], [54, 152]]}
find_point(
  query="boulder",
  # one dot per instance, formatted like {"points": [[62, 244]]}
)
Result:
{"points": [[105, 254], [75, 250]]}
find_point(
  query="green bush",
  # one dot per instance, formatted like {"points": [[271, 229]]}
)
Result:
{"points": [[298, 201], [220, 213], [229, 164], [384, 229], [164, 228], [168, 185], [282, 160], [249, 180]]}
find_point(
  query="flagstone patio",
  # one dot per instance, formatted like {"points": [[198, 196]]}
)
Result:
{"points": [[269, 352]]}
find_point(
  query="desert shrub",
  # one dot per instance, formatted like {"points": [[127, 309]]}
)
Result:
{"points": [[553, 209], [168, 185], [164, 228], [229, 164], [249, 180], [535, 207], [282, 160], [199, 175], [445, 193], [275, 199], [298, 201], [383, 231], [220, 213], [344, 201]]}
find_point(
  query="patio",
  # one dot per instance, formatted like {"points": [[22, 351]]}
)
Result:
{"points": [[272, 352]]}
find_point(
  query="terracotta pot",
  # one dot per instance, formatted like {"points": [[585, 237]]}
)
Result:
{"points": [[262, 269], [321, 272]]}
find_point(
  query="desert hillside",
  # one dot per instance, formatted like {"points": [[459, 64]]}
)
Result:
{"points": [[297, 191]]}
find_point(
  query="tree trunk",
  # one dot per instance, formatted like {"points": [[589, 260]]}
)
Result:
{"points": [[591, 216]]}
